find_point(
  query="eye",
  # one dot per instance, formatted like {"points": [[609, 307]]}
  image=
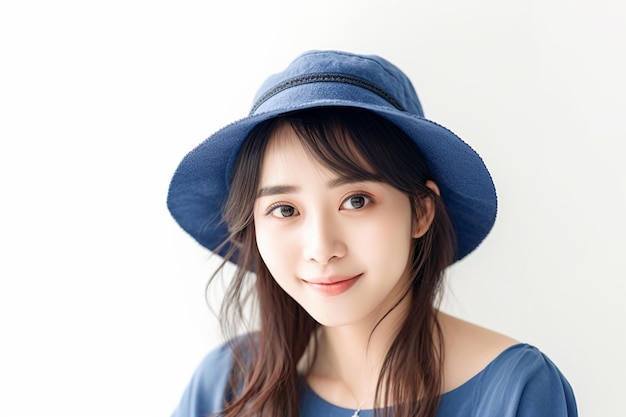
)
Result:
{"points": [[356, 202], [282, 211]]}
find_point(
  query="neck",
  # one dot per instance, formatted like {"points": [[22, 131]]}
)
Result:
{"points": [[353, 355]]}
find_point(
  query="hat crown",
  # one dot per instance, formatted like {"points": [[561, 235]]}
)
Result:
{"points": [[369, 72]]}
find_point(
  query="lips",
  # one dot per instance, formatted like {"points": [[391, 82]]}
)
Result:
{"points": [[334, 285]]}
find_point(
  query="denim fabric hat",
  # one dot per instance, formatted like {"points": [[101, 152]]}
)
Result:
{"points": [[201, 183]]}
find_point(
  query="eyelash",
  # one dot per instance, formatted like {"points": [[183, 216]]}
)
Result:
{"points": [[369, 199], [271, 209]]}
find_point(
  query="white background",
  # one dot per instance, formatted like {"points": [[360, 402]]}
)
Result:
{"points": [[102, 308]]}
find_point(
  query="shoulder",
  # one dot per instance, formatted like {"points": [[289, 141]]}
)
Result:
{"points": [[207, 391], [468, 349], [504, 378]]}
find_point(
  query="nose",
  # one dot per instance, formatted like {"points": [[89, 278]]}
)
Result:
{"points": [[323, 240]]}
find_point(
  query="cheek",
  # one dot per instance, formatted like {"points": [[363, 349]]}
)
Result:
{"points": [[274, 251], [279, 258], [386, 245], [265, 245], [389, 234]]}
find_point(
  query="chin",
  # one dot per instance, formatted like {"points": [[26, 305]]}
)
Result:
{"points": [[331, 319]]}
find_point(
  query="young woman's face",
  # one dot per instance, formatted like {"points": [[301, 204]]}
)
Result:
{"points": [[339, 248]]}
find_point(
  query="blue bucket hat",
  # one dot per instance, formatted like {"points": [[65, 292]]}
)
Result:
{"points": [[201, 183]]}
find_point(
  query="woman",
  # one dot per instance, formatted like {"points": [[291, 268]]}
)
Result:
{"points": [[347, 205]]}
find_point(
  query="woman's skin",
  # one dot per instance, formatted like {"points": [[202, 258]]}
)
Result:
{"points": [[341, 249]]}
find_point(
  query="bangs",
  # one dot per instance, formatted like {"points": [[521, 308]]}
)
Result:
{"points": [[331, 143], [360, 146]]}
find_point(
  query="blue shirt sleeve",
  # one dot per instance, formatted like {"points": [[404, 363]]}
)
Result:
{"points": [[546, 391], [521, 382], [206, 392]]}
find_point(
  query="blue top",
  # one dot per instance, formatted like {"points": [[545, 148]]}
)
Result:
{"points": [[520, 382]]}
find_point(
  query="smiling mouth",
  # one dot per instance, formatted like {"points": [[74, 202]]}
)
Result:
{"points": [[332, 288]]}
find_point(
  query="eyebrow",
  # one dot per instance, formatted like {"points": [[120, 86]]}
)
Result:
{"points": [[276, 189], [286, 189]]}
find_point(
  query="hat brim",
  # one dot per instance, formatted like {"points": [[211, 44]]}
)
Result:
{"points": [[201, 183]]}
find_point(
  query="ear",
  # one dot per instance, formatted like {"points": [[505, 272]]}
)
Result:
{"points": [[425, 215]]}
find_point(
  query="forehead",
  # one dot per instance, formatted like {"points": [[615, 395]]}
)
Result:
{"points": [[286, 155], [329, 145], [283, 138]]}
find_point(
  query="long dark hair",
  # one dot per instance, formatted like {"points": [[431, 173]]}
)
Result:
{"points": [[265, 378]]}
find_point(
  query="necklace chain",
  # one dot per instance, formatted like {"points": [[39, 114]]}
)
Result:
{"points": [[358, 409]]}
